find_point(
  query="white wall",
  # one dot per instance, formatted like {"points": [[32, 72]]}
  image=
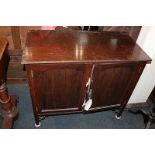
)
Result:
{"points": [[146, 82]]}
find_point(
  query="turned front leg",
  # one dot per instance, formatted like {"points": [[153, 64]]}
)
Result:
{"points": [[5, 99], [8, 104], [120, 111]]}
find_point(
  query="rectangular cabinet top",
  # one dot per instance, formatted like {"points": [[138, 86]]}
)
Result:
{"points": [[44, 46]]}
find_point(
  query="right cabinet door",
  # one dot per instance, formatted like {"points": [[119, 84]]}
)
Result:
{"points": [[110, 83]]}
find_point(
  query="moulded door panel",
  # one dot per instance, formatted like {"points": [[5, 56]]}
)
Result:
{"points": [[59, 86], [110, 83]]}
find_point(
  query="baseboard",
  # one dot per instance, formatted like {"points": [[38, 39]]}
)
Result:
{"points": [[136, 105], [17, 81]]}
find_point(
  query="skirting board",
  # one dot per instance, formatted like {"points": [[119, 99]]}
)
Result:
{"points": [[136, 105]]}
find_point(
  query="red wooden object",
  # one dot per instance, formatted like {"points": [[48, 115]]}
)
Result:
{"points": [[8, 103]]}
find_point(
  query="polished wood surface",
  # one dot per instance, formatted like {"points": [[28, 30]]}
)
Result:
{"points": [[59, 46], [58, 86], [65, 69], [16, 36], [109, 78]]}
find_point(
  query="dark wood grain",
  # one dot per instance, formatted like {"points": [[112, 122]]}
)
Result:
{"points": [[59, 64], [110, 83], [59, 46], [58, 86], [16, 36], [137, 73]]}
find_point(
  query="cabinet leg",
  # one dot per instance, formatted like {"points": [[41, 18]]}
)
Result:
{"points": [[37, 121], [38, 125], [117, 117], [119, 112], [8, 105]]}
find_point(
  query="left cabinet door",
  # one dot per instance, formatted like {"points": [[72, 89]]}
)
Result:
{"points": [[58, 87]]}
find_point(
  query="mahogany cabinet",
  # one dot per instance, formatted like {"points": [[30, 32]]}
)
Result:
{"points": [[75, 71]]}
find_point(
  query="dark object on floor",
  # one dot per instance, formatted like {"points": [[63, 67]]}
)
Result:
{"points": [[8, 110], [148, 114]]}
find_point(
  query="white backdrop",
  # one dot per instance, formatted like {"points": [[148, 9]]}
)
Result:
{"points": [[146, 82]]}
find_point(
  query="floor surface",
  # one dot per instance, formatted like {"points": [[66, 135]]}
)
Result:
{"points": [[99, 120]]}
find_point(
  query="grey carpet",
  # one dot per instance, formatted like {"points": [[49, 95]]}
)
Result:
{"points": [[99, 120]]}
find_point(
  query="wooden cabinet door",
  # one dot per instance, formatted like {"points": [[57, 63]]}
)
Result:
{"points": [[110, 83], [58, 87]]}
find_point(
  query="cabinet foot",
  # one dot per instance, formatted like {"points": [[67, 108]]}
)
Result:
{"points": [[117, 117], [9, 111], [38, 125]]}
